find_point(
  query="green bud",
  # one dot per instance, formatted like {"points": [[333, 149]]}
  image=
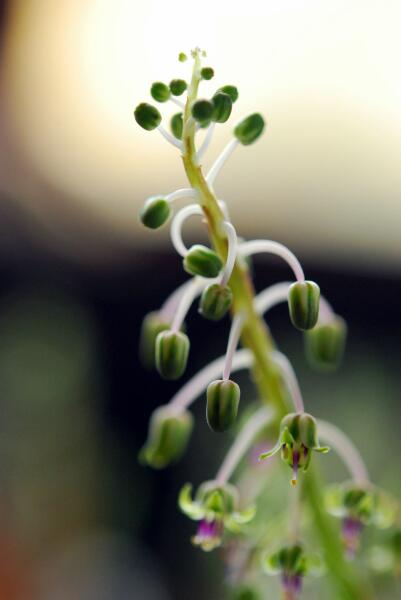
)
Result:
{"points": [[147, 116], [160, 91], [168, 437], [222, 105], [182, 57], [303, 304], [202, 112], [178, 86], [231, 90], [248, 130], [215, 301], [172, 349], [325, 344], [177, 125], [222, 404], [202, 261], [152, 325], [155, 212], [207, 73]]}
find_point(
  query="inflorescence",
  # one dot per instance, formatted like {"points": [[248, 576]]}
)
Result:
{"points": [[216, 275]]}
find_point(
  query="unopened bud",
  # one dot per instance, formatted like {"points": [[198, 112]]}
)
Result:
{"points": [[207, 73], [168, 437], [325, 343], [231, 90], [155, 212], [147, 116], [303, 304], [172, 349], [178, 86], [222, 404], [182, 57], [248, 130], [222, 106], [160, 91], [202, 111], [152, 325], [177, 125], [202, 261], [215, 301]]}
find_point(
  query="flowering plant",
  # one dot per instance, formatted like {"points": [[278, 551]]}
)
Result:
{"points": [[221, 277]]}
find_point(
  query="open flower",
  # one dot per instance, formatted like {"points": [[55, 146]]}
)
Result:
{"points": [[216, 508], [358, 505], [297, 439], [292, 564]]}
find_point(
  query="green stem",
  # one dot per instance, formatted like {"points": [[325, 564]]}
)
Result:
{"points": [[257, 338]]}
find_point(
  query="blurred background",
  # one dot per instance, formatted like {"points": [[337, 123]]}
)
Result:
{"points": [[79, 518]]}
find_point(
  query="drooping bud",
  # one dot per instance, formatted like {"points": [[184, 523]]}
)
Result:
{"points": [[172, 349], [160, 91], [222, 404], [168, 437], [248, 130], [303, 304], [178, 86], [231, 90], [147, 116], [152, 325], [182, 57], [177, 125], [215, 301], [325, 344], [155, 212], [202, 261], [207, 73], [202, 111], [222, 106]]}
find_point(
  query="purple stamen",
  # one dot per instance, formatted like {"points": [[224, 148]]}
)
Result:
{"points": [[351, 533], [292, 586], [209, 534]]}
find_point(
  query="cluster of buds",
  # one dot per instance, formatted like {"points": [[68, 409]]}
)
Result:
{"points": [[215, 274]]}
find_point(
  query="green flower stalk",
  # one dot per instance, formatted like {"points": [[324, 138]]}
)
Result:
{"points": [[220, 276]]}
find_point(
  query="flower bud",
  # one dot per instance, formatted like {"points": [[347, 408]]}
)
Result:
{"points": [[172, 349], [168, 437], [202, 111], [207, 73], [222, 404], [222, 105], [248, 130], [202, 261], [231, 90], [151, 327], [182, 57], [160, 91], [325, 344], [303, 304], [178, 86], [215, 301], [147, 116], [177, 125], [155, 212]]}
